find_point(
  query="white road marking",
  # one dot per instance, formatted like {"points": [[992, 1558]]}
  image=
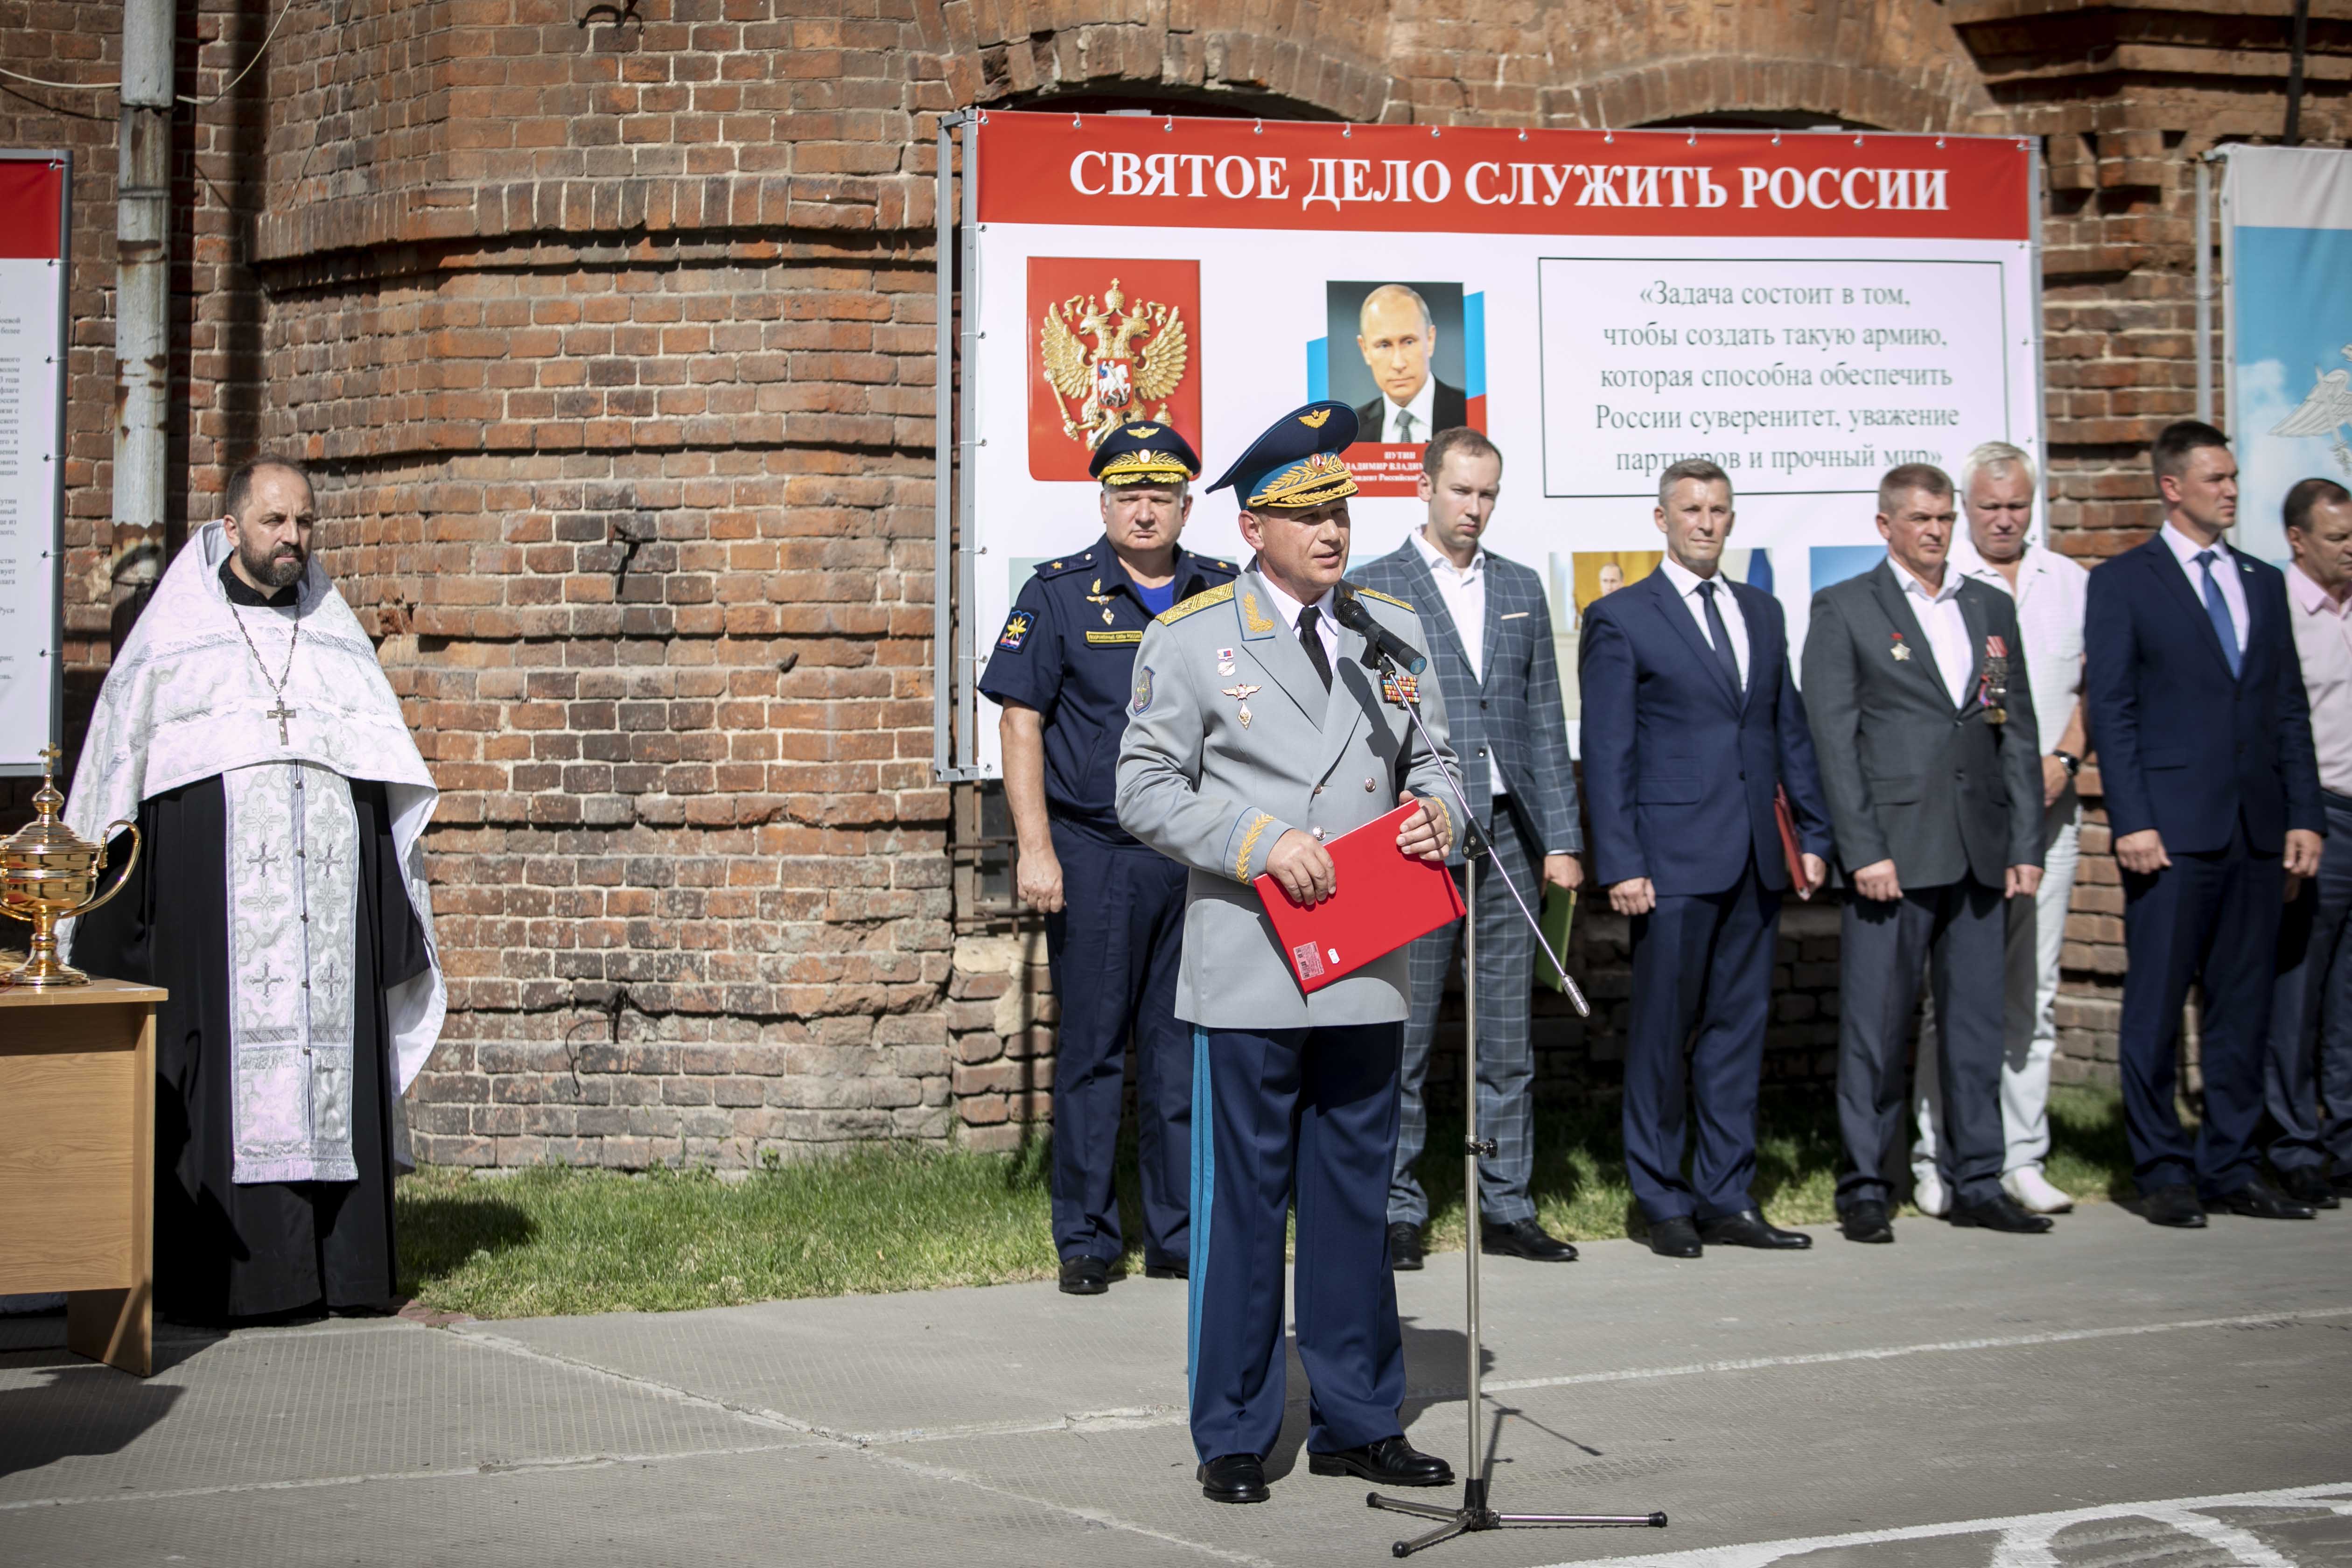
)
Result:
{"points": [[1932, 1347], [2024, 1540]]}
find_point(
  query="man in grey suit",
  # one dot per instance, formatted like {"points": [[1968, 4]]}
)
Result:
{"points": [[1255, 734], [1923, 724], [1491, 649]]}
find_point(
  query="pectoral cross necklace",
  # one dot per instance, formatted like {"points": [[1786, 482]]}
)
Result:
{"points": [[278, 687]]}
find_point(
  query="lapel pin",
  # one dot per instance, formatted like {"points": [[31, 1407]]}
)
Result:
{"points": [[1901, 650]]}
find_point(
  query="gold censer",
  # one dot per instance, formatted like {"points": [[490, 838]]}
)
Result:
{"points": [[48, 873]]}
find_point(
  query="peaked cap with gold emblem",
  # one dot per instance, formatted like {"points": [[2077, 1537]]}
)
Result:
{"points": [[1144, 452], [1297, 462]]}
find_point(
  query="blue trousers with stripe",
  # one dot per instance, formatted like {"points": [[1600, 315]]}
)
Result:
{"points": [[1310, 1113]]}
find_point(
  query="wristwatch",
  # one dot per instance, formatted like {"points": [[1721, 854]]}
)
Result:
{"points": [[2073, 764]]}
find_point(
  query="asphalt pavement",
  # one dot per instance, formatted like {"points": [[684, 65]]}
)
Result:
{"points": [[2112, 1394]]}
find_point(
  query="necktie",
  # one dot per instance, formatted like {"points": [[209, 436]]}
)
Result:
{"points": [[1312, 641], [1404, 425], [2217, 610], [1720, 635]]}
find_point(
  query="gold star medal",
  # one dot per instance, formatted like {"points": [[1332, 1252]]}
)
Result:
{"points": [[1902, 650]]}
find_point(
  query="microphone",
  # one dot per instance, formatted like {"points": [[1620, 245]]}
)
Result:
{"points": [[1380, 640]]}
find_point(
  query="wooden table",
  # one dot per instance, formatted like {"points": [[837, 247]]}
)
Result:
{"points": [[77, 1160]]}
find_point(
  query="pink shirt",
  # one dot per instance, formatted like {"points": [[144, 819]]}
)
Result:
{"points": [[2322, 641]]}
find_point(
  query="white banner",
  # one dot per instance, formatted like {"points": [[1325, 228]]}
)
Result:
{"points": [[2286, 238], [33, 230], [1806, 311]]}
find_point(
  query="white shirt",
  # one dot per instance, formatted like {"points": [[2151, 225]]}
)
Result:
{"points": [[1946, 629], [1326, 624], [1686, 584], [2052, 592], [1424, 402], [1464, 591], [2323, 639], [2225, 572]]}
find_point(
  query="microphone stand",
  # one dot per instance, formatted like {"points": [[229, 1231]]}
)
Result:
{"points": [[1475, 1514]]}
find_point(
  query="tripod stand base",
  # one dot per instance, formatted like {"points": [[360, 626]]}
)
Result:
{"points": [[1474, 1516]]}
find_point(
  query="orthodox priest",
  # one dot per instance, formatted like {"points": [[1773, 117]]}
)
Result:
{"points": [[248, 730]]}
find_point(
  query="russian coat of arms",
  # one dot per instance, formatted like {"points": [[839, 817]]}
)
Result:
{"points": [[1107, 361]]}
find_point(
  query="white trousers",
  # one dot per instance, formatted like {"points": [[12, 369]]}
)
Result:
{"points": [[2037, 930]]}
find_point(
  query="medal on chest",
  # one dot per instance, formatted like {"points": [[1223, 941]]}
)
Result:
{"points": [[1901, 650], [1992, 685], [1400, 690], [1242, 693]]}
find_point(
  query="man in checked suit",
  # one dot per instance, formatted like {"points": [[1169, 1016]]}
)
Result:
{"points": [[1923, 725], [1491, 648], [2203, 730], [1691, 717], [1255, 734]]}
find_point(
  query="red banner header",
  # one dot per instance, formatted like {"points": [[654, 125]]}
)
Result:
{"points": [[1148, 173], [32, 191]]}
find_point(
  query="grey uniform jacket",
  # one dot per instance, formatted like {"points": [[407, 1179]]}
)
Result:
{"points": [[1910, 777], [1204, 788]]}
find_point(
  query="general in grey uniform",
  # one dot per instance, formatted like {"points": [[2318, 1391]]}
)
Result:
{"points": [[1256, 733]]}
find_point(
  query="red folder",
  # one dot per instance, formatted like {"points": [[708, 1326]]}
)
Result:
{"points": [[1384, 900]]}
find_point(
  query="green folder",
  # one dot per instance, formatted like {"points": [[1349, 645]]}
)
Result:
{"points": [[1559, 915]]}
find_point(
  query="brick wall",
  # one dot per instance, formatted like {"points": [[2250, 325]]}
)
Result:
{"points": [[609, 330]]}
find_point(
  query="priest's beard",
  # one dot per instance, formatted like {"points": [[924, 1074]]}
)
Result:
{"points": [[272, 566]]}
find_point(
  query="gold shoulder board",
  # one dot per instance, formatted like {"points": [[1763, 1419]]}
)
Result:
{"points": [[1217, 595], [1384, 598]]}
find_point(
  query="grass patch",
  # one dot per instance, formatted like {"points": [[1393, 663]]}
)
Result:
{"points": [[552, 1241]]}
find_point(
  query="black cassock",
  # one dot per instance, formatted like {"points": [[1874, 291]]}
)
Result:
{"points": [[225, 1251]]}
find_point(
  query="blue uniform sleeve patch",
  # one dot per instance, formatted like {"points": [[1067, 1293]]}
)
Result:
{"points": [[1142, 689], [1017, 630]]}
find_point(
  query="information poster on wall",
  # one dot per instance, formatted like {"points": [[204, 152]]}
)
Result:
{"points": [[1805, 310], [2286, 226], [34, 231]]}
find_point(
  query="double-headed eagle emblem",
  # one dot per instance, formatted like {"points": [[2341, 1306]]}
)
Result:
{"points": [[1135, 360], [2325, 412]]}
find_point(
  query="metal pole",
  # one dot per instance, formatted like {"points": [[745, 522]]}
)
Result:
{"points": [[2204, 291], [142, 282], [943, 461], [1475, 1481]]}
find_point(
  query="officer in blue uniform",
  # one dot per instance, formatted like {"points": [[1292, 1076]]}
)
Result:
{"points": [[1062, 670]]}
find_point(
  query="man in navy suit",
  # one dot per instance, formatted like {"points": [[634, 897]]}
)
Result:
{"points": [[2203, 732], [1690, 718]]}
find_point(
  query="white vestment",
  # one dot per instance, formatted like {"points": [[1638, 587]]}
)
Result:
{"points": [[186, 699]]}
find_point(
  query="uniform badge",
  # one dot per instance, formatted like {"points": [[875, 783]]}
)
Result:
{"points": [[1251, 617], [1901, 650], [1224, 661], [1017, 630], [1400, 689], [1142, 689], [1241, 694], [1103, 599]]}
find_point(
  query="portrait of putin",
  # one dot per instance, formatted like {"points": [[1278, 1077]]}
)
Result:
{"points": [[1397, 337]]}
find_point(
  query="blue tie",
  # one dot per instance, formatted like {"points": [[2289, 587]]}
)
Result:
{"points": [[2217, 610], [1720, 635]]}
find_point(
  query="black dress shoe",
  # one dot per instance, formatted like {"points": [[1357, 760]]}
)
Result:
{"points": [[1084, 1276], [2258, 1200], [1866, 1221], [1523, 1238], [1404, 1247], [1233, 1478], [1391, 1462], [2305, 1184], [1676, 1237], [1748, 1227], [2174, 1205], [2000, 1212], [1167, 1271]]}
